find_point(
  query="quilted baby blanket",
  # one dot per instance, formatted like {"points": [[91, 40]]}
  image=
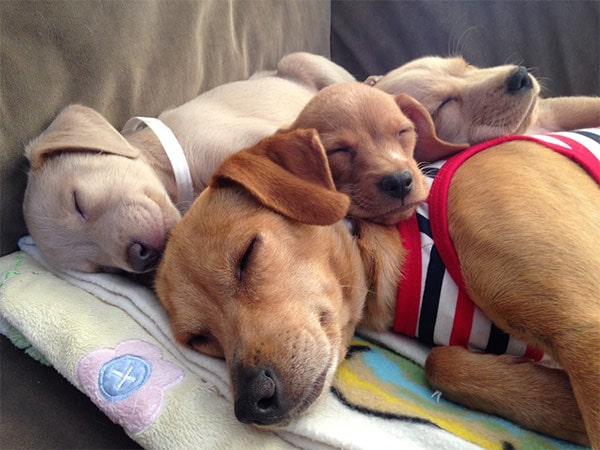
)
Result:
{"points": [[110, 338]]}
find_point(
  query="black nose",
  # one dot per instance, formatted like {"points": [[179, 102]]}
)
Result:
{"points": [[398, 184], [518, 81], [258, 399], [142, 257]]}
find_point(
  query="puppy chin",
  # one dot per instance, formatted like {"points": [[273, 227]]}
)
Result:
{"points": [[385, 217], [528, 118], [313, 407]]}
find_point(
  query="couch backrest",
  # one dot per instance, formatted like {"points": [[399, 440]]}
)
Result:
{"points": [[558, 40]]}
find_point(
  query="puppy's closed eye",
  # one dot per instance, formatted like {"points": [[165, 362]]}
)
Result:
{"points": [[340, 151], [340, 158], [325, 317], [78, 206], [447, 101], [244, 261], [206, 343]]}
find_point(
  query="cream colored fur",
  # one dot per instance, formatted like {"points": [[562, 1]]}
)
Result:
{"points": [[97, 200], [471, 104]]}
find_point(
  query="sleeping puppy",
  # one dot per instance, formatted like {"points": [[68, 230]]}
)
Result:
{"points": [[263, 272], [98, 200], [370, 138], [471, 104]]}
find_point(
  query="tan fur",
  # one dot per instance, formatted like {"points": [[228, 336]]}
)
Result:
{"points": [[279, 299], [97, 200], [508, 386], [370, 136], [320, 318], [544, 284], [478, 104]]}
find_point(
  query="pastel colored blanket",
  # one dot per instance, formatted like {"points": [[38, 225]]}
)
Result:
{"points": [[111, 339]]}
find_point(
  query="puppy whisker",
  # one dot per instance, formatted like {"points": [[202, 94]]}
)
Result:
{"points": [[513, 59], [456, 45]]}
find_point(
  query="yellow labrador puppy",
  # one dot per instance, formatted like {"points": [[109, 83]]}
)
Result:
{"points": [[99, 200], [471, 104]]}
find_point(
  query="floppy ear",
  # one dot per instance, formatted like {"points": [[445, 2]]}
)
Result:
{"points": [[78, 128], [287, 172], [429, 147]]}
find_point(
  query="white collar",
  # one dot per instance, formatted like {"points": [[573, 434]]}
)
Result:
{"points": [[171, 146]]}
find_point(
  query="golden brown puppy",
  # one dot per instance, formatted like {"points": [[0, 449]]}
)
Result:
{"points": [[471, 104], [370, 140], [319, 313], [262, 272]]}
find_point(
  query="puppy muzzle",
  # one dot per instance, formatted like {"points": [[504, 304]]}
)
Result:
{"points": [[263, 398], [397, 184], [259, 396], [519, 81]]}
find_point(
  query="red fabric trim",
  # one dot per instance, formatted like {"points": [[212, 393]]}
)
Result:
{"points": [[409, 288], [463, 320], [438, 197], [438, 219], [438, 211], [578, 153], [534, 353]]}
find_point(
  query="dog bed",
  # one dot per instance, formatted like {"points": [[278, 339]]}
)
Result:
{"points": [[111, 339]]}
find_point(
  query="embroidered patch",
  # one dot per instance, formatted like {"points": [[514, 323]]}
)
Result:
{"points": [[122, 376], [128, 383]]}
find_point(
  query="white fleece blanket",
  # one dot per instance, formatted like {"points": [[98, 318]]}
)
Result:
{"points": [[111, 339]]}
